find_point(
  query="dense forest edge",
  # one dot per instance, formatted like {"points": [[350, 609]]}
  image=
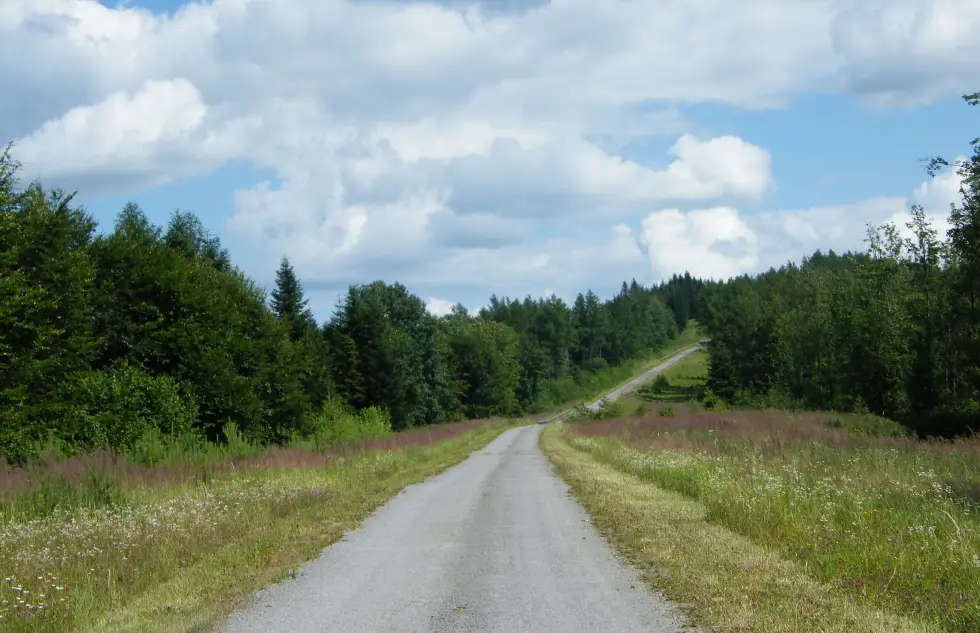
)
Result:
{"points": [[143, 337], [148, 340], [894, 331]]}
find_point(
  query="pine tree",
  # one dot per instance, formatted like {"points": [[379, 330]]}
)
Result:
{"points": [[288, 303]]}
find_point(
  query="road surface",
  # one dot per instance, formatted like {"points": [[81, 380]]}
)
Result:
{"points": [[494, 544]]}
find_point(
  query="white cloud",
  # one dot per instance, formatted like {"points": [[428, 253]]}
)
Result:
{"points": [[909, 52], [442, 145], [722, 242], [708, 243], [439, 307], [938, 193], [151, 136]]}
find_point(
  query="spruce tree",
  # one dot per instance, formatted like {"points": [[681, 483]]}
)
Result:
{"points": [[288, 303]]}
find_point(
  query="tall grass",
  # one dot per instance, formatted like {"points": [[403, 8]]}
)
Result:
{"points": [[889, 521]]}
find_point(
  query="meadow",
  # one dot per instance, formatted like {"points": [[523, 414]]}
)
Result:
{"points": [[784, 521], [102, 543]]}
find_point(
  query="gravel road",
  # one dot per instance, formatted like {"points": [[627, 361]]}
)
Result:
{"points": [[645, 376], [493, 544]]}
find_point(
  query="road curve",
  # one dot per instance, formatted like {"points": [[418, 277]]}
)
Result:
{"points": [[493, 544]]}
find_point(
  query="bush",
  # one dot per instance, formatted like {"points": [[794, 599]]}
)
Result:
{"points": [[337, 424], [660, 384], [868, 424], [712, 402], [666, 412], [606, 410], [121, 406]]}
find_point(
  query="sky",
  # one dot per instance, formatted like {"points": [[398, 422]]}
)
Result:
{"points": [[508, 147]]}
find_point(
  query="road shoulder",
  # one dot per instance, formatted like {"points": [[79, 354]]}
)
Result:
{"points": [[719, 579]]}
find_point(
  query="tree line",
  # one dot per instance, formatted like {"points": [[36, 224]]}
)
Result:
{"points": [[106, 338], [894, 330]]}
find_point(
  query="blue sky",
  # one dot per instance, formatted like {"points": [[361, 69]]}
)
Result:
{"points": [[509, 147]]}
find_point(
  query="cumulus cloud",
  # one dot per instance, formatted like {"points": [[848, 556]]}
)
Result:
{"points": [[439, 307], [441, 143], [709, 243], [910, 52], [155, 134], [723, 242]]}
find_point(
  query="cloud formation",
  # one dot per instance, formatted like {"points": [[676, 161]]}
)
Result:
{"points": [[444, 143], [722, 242]]}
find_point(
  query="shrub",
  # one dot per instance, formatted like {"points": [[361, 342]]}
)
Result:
{"points": [[335, 424], [606, 410], [868, 424], [666, 412], [712, 401], [121, 406]]}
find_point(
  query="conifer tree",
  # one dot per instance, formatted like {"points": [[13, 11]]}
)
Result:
{"points": [[288, 302]]}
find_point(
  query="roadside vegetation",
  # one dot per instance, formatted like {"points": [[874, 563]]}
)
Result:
{"points": [[98, 543], [771, 520]]}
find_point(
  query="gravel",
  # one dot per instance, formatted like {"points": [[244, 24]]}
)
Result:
{"points": [[493, 544]]}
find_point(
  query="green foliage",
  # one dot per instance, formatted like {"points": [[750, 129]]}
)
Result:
{"points": [[711, 401], [867, 424], [45, 329], [482, 357], [568, 352], [387, 355], [666, 412], [119, 407], [289, 304], [148, 340], [893, 332], [336, 424], [165, 306], [237, 445]]}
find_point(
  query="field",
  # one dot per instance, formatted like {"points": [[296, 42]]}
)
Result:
{"points": [[779, 521], [100, 544]]}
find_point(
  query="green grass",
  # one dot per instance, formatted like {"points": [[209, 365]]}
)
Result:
{"points": [[179, 553], [779, 521], [725, 581]]}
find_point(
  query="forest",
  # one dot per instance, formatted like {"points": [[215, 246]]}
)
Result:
{"points": [[894, 330], [145, 334], [109, 338]]}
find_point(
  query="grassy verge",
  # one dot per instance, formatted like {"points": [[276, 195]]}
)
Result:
{"points": [[724, 579], [177, 552], [769, 521]]}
